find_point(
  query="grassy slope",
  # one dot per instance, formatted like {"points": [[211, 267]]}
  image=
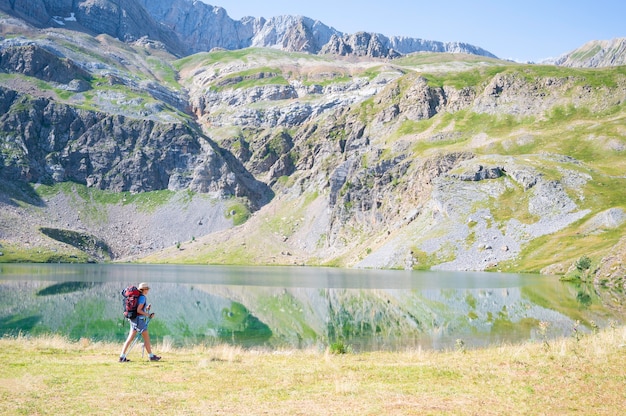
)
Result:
{"points": [[569, 376]]}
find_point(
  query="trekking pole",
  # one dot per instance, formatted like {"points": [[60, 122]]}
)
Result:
{"points": [[143, 346]]}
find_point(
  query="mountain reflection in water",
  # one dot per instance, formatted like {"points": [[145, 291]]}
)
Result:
{"points": [[299, 307]]}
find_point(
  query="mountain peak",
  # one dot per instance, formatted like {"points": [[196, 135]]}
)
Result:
{"points": [[596, 54]]}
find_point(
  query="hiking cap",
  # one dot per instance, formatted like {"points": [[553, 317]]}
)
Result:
{"points": [[143, 285]]}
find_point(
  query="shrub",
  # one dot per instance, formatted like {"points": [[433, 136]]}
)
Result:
{"points": [[583, 263], [339, 347]]}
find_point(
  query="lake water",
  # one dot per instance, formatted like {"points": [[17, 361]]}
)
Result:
{"points": [[300, 307]]}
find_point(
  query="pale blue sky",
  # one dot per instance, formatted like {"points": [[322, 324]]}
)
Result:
{"points": [[524, 30]]}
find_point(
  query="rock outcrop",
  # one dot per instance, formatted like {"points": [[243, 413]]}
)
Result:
{"points": [[380, 46], [37, 62], [360, 44]]}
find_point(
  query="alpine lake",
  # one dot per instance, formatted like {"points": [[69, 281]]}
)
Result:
{"points": [[301, 307]]}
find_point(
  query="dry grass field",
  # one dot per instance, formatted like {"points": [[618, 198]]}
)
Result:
{"points": [[54, 376]]}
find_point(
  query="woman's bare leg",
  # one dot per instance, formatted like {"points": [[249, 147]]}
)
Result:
{"points": [[129, 340], [146, 341]]}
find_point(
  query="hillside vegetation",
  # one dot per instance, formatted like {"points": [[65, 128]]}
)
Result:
{"points": [[554, 134]]}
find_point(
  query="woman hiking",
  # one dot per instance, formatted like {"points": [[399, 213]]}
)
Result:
{"points": [[140, 324]]}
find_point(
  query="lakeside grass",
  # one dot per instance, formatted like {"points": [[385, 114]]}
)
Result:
{"points": [[577, 375]]}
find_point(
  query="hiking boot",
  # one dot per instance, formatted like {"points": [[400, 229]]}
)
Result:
{"points": [[124, 360], [155, 358]]}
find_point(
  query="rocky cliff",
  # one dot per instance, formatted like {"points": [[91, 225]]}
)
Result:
{"points": [[427, 161], [126, 20]]}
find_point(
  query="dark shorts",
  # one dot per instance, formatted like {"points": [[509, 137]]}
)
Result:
{"points": [[138, 324]]}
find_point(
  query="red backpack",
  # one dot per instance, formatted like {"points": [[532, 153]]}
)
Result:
{"points": [[131, 301]]}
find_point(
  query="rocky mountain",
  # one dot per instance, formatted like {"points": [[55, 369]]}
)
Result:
{"points": [[204, 27], [596, 54], [116, 149], [186, 27]]}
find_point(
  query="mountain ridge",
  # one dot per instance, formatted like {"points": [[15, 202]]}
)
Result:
{"points": [[289, 33], [186, 27]]}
